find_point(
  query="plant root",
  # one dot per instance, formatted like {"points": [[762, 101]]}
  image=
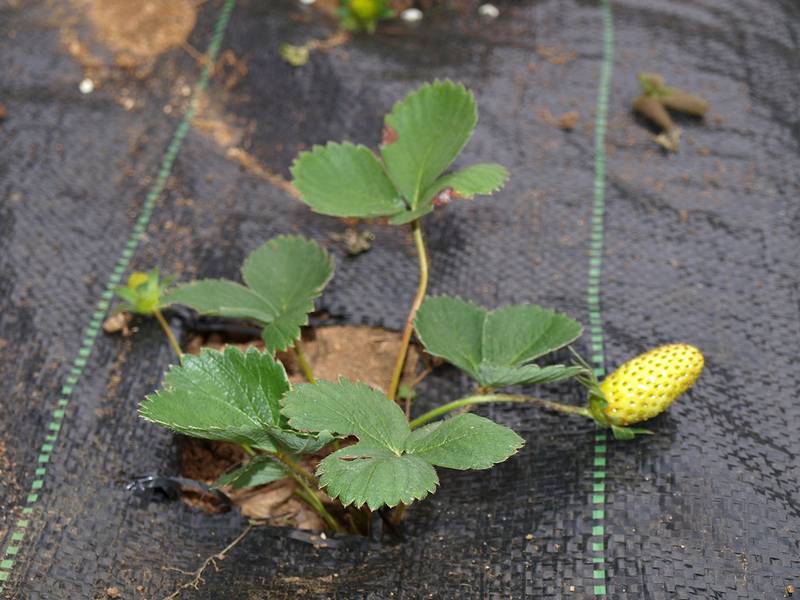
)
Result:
{"points": [[197, 575]]}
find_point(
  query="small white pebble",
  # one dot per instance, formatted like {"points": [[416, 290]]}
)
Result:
{"points": [[323, 536], [86, 86], [411, 15], [307, 2], [489, 11]]}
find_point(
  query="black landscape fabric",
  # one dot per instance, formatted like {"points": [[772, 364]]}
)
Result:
{"points": [[699, 246]]}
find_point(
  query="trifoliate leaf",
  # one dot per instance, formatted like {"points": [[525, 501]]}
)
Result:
{"points": [[228, 395], [390, 465], [289, 272], [362, 474], [345, 180], [495, 347], [259, 471], [283, 278], [430, 127]]}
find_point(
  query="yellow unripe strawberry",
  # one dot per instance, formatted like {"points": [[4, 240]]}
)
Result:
{"points": [[645, 386], [366, 10]]}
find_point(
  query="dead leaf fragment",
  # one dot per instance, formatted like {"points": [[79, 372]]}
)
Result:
{"points": [[355, 242], [556, 55], [118, 322], [569, 120]]}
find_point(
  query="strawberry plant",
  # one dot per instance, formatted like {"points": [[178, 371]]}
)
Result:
{"points": [[144, 295], [282, 277], [370, 452], [422, 136]]}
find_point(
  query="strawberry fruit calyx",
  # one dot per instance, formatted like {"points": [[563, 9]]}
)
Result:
{"points": [[597, 406]]}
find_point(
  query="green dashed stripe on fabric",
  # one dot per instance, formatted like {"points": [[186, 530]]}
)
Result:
{"points": [[8, 558], [597, 544]]}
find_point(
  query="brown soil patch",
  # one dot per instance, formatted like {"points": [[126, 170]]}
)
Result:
{"points": [[139, 31], [358, 353], [206, 461]]}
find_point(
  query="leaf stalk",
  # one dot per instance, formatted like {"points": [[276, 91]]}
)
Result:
{"points": [[305, 366], [422, 254], [489, 398], [304, 477], [176, 347]]}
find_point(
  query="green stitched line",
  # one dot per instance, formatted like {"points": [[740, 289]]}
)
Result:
{"points": [[597, 542], [11, 552]]}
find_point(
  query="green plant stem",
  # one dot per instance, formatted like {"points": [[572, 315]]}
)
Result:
{"points": [[311, 498], [168, 331], [296, 468], [249, 449], [303, 477], [305, 366], [487, 398], [422, 254]]}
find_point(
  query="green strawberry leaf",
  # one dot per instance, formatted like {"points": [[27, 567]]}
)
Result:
{"points": [[390, 465], [495, 376], [496, 347], [430, 127], [466, 183], [222, 298], [423, 135], [344, 180], [259, 471], [290, 272], [407, 216], [284, 277], [347, 408], [464, 442], [480, 179], [452, 329], [229, 395], [363, 474]]}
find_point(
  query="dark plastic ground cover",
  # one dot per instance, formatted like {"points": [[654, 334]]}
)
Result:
{"points": [[699, 247]]}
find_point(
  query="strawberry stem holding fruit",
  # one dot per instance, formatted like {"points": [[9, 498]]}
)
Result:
{"points": [[639, 390]]}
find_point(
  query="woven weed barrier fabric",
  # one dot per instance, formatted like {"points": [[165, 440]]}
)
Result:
{"points": [[642, 246]]}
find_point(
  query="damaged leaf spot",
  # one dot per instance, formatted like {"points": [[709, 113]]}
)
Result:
{"points": [[389, 135], [444, 197]]}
